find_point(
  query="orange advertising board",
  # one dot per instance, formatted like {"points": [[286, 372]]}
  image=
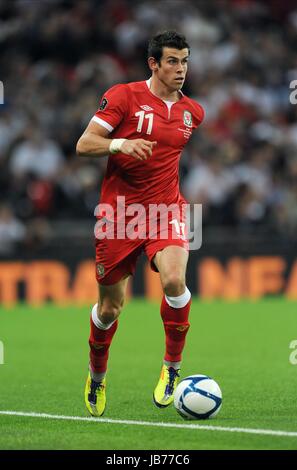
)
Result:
{"points": [[238, 278]]}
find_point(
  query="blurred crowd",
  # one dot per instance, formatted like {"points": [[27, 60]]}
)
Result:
{"points": [[58, 57]]}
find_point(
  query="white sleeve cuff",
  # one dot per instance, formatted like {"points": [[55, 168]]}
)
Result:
{"points": [[102, 123]]}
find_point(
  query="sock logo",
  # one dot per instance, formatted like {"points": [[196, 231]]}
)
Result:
{"points": [[97, 346], [182, 327]]}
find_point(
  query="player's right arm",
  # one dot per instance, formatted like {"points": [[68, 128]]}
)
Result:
{"points": [[94, 142]]}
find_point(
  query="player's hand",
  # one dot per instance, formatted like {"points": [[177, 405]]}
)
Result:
{"points": [[138, 148]]}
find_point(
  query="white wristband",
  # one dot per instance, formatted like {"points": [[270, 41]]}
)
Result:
{"points": [[115, 145]]}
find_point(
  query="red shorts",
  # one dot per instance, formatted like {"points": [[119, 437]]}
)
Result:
{"points": [[116, 258]]}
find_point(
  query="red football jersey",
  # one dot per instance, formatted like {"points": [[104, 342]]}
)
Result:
{"points": [[132, 111]]}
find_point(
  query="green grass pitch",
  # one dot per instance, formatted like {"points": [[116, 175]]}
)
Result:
{"points": [[242, 345]]}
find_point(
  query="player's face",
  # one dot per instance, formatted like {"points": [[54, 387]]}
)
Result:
{"points": [[173, 69]]}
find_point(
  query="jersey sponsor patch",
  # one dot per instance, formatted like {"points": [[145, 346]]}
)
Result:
{"points": [[187, 119], [103, 104]]}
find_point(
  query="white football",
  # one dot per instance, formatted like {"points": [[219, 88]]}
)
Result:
{"points": [[198, 397]]}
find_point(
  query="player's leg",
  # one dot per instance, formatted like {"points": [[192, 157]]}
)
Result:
{"points": [[171, 263], [103, 327], [115, 262], [104, 324]]}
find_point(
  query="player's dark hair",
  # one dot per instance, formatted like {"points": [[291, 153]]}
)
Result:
{"points": [[166, 39]]}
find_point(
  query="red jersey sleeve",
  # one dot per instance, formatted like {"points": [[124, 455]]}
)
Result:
{"points": [[113, 107], [198, 114]]}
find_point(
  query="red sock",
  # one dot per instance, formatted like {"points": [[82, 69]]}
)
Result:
{"points": [[176, 326], [99, 342]]}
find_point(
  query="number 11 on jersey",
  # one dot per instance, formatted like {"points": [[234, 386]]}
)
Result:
{"points": [[179, 228], [141, 116]]}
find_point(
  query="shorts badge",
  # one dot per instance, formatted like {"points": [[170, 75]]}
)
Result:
{"points": [[100, 269]]}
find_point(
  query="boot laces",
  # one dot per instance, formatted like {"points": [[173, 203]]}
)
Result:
{"points": [[173, 374]]}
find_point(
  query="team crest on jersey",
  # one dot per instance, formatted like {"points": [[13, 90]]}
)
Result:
{"points": [[100, 269], [187, 119], [103, 104]]}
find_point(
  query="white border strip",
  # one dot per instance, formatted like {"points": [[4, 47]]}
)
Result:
{"points": [[199, 427], [102, 123]]}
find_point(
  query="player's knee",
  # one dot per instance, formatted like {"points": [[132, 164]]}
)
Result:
{"points": [[109, 312], [174, 284]]}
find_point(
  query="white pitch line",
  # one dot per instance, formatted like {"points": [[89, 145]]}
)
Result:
{"points": [[199, 427]]}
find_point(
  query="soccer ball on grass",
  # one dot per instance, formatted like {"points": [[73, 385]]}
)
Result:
{"points": [[198, 397]]}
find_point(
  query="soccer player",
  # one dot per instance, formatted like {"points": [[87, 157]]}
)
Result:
{"points": [[143, 126]]}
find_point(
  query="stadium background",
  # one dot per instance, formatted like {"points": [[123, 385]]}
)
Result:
{"points": [[56, 59]]}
